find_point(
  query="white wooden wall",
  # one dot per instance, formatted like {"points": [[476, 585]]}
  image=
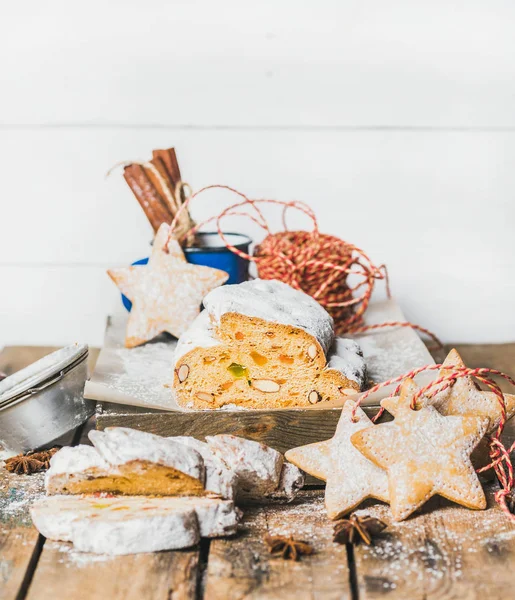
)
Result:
{"points": [[394, 120]]}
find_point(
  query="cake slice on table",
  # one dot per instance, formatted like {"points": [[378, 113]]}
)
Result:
{"points": [[130, 462], [263, 344], [261, 473], [138, 492], [132, 524]]}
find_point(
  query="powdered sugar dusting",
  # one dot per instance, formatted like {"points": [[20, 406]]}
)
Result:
{"points": [[433, 546], [22, 492], [71, 558], [143, 374], [275, 301]]}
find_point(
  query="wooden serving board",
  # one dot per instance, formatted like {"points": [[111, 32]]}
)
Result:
{"points": [[133, 386], [143, 376]]}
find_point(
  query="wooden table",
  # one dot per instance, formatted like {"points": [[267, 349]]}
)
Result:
{"points": [[443, 552]]}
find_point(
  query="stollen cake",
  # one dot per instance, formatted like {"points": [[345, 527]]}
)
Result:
{"points": [[130, 462], [261, 472], [132, 524], [263, 344]]}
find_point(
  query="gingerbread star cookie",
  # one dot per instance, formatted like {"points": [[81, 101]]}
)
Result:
{"points": [[463, 397], [167, 293], [424, 453], [351, 478]]}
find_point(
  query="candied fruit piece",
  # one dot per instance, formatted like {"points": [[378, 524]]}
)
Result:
{"points": [[238, 371]]}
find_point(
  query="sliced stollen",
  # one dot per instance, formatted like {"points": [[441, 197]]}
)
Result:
{"points": [[130, 462], [132, 524], [220, 479], [127, 461], [263, 344], [260, 471]]}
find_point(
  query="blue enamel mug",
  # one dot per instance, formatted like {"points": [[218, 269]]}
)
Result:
{"points": [[210, 250]]}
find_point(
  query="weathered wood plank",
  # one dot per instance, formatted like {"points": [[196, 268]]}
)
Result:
{"points": [[63, 573], [493, 356], [241, 567], [444, 552], [282, 429], [19, 540]]}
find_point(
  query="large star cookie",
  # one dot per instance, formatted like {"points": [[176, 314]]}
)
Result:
{"points": [[351, 478], [463, 397], [424, 453], [167, 293]]}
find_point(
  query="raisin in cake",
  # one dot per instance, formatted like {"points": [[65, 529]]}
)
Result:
{"points": [[263, 344]]}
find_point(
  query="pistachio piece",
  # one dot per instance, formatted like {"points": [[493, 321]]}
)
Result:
{"points": [[238, 371]]}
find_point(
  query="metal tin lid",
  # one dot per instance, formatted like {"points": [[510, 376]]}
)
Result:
{"points": [[43, 372]]}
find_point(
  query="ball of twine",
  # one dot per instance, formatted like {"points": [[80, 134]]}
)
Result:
{"points": [[316, 263]]}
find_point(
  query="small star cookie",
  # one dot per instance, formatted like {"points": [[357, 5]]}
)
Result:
{"points": [[463, 397], [351, 478], [167, 293], [424, 453]]}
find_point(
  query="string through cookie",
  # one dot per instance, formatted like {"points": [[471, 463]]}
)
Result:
{"points": [[313, 262], [500, 455]]}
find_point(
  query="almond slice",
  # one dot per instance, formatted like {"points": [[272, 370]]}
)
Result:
{"points": [[266, 385], [347, 391], [312, 351], [182, 372], [204, 396], [314, 397]]}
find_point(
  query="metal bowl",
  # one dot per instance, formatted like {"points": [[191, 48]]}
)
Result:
{"points": [[45, 400]]}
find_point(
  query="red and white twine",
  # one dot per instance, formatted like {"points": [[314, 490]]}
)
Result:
{"points": [[320, 264], [314, 262]]}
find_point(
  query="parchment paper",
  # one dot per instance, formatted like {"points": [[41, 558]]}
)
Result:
{"points": [[143, 376]]}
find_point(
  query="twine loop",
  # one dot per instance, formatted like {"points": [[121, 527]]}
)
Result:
{"points": [[316, 263]]}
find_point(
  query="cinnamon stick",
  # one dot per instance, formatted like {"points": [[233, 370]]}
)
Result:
{"points": [[169, 159], [149, 199], [163, 184]]}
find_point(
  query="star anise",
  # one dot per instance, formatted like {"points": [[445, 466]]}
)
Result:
{"points": [[23, 464], [30, 462], [287, 547], [44, 455], [357, 529]]}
